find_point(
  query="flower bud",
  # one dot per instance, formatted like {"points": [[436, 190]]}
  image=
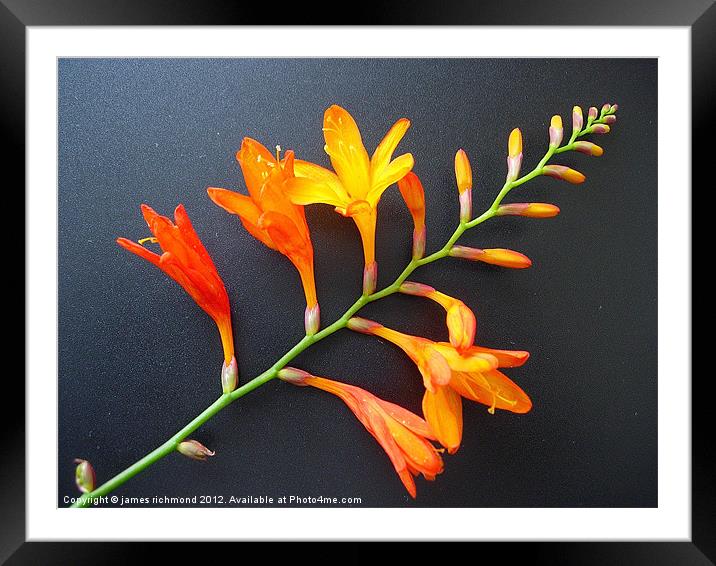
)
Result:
{"points": [[577, 119], [494, 256], [84, 476], [312, 319], [588, 148], [461, 325], [370, 278], [514, 154], [556, 131], [358, 324], [411, 189], [606, 108], [600, 129], [229, 376], [563, 173], [593, 112], [463, 171], [466, 206], [528, 210], [293, 375], [610, 119], [194, 450], [615, 107]]}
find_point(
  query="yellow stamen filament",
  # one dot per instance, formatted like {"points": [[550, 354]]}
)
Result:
{"points": [[151, 239], [278, 154]]}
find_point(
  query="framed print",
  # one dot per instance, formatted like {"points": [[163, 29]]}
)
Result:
{"points": [[494, 220]]}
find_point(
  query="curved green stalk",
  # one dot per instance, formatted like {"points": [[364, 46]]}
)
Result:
{"points": [[226, 399]]}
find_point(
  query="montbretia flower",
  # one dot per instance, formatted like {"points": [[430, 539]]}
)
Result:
{"points": [[403, 435], [358, 182], [494, 256], [460, 319], [449, 374], [514, 154], [269, 215], [528, 209], [411, 189], [185, 260], [463, 175], [564, 173]]}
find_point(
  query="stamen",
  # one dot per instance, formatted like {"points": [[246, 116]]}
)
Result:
{"points": [[278, 153], [491, 410], [151, 239]]}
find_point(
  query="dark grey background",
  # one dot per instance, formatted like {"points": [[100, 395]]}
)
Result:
{"points": [[138, 359]]}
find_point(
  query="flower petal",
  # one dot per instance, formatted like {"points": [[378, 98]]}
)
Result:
{"points": [[245, 208], [345, 148], [256, 162], [302, 190], [321, 175], [384, 152], [139, 250], [397, 169], [443, 411]]}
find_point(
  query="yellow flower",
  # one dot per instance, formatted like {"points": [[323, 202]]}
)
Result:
{"points": [[358, 182]]}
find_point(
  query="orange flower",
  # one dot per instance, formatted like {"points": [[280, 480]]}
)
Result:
{"points": [[269, 215], [185, 260], [358, 182], [449, 374], [403, 435], [411, 189]]}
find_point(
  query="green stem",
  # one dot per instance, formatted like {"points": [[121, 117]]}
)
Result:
{"points": [[226, 399]]}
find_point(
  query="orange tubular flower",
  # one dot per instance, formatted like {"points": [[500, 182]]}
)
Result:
{"points": [[185, 260], [411, 189], [269, 215], [403, 435], [472, 374], [358, 182]]}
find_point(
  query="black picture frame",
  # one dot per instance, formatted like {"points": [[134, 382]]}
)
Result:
{"points": [[17, 15]]}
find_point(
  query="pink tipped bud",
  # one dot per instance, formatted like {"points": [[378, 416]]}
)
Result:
{"points": [[528, 209], [194, 450], [606, 108], [494, 256], [610, 119], [615, 107], [358, 324], [588, 148], [419, 236], [294, 375], [463, 171], [593, 112], [600, 129], [417, 289], [466, 205], [563, 173], [229, 376], [556, 131], [370, 278], [84, 476], [514, 154], [577, 119], [312, 319]]}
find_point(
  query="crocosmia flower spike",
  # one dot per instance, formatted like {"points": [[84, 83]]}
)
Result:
{"points": [[269, 215], [411, 189], [449, 373], [403, 435], [358, 182], [185, 260]]}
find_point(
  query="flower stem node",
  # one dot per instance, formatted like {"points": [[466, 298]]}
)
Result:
{"points": [[370, 278], [229, 375], [293, 375], [84, 476], [195, 450], [312, 319]]}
